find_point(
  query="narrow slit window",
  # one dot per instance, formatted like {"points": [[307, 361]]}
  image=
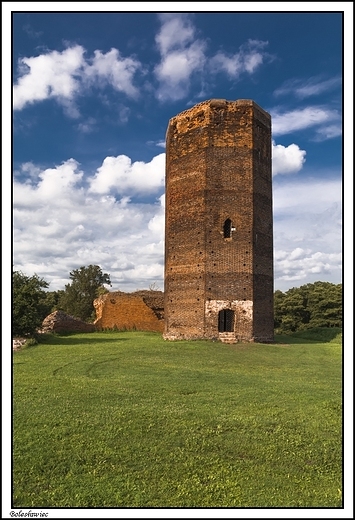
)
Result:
{"points": [[227, 228]]}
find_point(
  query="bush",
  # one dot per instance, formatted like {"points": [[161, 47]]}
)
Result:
{"points": [[31, 342], [29, 306]]}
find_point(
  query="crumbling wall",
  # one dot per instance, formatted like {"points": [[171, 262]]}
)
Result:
{"points": [[141, 310], [61, 322]]}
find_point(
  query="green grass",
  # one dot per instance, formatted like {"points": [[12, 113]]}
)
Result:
{"points": [[320, 334], [130, 420]]}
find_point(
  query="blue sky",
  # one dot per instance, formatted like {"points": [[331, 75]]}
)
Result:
{"points": [[92, 96]]}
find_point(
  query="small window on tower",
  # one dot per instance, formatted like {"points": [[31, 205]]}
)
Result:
{"points": [[227, 228]]}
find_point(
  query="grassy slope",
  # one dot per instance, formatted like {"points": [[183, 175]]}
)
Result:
{"points": [[317, 334], [126, 419]]}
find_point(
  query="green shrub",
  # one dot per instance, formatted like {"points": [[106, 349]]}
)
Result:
{"points": [[30, 342]]}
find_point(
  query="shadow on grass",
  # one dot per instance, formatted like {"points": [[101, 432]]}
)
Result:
{"points": [[309, 336], [282, 339], [314, 335]]}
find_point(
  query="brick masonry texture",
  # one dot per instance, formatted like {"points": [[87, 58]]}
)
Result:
{"points": [[141, 310], [59, 321], [219, 228]]}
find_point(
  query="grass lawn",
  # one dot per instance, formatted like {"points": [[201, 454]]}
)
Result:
{"points": [[126, 419]]}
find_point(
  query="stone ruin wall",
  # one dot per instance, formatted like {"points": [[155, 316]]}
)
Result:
{"points": [[59, 321], [141, 310]]}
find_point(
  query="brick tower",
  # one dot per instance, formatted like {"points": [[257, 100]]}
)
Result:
{"points": [[219, 230]]}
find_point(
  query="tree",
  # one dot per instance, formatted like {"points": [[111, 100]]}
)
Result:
{"points": [[29, 306], [312, 305], [154, 287], [78, 297], [278, 306], [325, 304], [52, 301]]}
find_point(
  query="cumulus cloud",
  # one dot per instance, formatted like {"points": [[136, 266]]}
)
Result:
{"points": [[181, 56], [120, 175], [53, 183], [60, 225], [300, 119], [287, 159], [113, 69], [307, 232], [300, 264], [64, 219], [52, 75], [176, 32], [157, 223], [249, 57], [64, 75]]}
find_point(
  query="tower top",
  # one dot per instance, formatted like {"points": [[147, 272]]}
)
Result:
{"points": [[223, 103]]}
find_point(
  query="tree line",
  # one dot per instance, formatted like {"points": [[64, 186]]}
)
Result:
{"points": [[318, 304], [312, 305], [31, 303]]}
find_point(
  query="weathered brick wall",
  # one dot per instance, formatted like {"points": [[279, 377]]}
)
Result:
{"points": [[263, 277], [142, 310], [59, 321], [218, 167]]}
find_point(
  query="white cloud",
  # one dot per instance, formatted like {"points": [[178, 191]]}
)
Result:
{"points": [[52, 75], [113, 69], [61, 224], [175, 33], [160, 144], [88, 126], [307, 232], [181, 56], [64, 75], [175, 70], [305, 88], [303, 196], [157, 224], [55, 184], [299, 119], [306, 267], [287, 159], [120, 175], [327, 132], [249, 57]]}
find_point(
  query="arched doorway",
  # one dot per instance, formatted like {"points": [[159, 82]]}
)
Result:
{"points": [[226, 320]]}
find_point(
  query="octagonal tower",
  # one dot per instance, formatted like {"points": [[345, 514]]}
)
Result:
{"points": [[219, 227]]}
